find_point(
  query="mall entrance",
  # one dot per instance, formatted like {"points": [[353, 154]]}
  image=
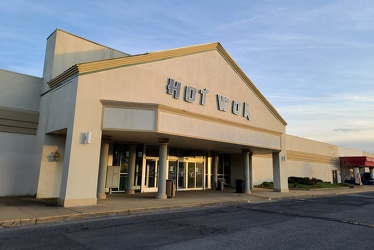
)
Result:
{"points": [[189, 169], [188, 174]]}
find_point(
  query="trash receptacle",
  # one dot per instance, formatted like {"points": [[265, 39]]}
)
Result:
{"points": [[221, 184], [170, 188], [239, 185]]}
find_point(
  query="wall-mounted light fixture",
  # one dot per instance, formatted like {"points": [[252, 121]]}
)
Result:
{"points": [[87, 139], [54, 156]]}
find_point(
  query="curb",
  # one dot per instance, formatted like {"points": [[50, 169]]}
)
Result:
{"points": [[133, 211]]}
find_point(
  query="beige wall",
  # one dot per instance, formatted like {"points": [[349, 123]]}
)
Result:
{"points": [[311, 169], [61, 106], [57, 114], [16, 153], [64, 50], [83, 158], [305, 158], [129, 119], [308, 158], [299, 144], [73, 109], [19, 91], [353, 152], [208, 130], [146, 83], [19, 102], [19, 112], [313, 159], [262, 169], [49, 179]]}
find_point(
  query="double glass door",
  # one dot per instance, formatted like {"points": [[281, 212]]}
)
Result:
{"points": [[190, 175], [187, 174]]}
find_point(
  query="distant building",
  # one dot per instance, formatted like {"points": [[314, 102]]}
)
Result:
{"points": [[101, 120]]}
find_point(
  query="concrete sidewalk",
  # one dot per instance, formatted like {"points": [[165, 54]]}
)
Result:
{"points": [[20, 211]]}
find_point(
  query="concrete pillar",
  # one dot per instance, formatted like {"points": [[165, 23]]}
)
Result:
{"points": [[356, 174], [214, 170], [246, 168], [250, 172], [103, 165], [371, 173], [280, 178], [131, 172], [163, 156]]}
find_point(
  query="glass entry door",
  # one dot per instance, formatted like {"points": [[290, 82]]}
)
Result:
{"points": [[199, 174], [182, 175], [190, 175], [151, 175]]}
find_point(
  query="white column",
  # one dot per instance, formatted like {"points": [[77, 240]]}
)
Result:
{"points": [[163, 156], [131, 173], [280, 178], [372, 173], [250, 172], [214, 170], [356, 174], [246, 166], [103, 165]]}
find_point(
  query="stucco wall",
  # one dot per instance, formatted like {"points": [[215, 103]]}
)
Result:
{"points": [[19, 111], [72, 109], [353, 152], [64, 50], [60, 108], [311, 169], [147, 83], [313, 159], [262, 169], [199, 128], [51, 171], [16, 153], [19, 91], [57, 114]]}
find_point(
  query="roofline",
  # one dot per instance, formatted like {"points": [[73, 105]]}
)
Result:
{"points": [[19, 73], [91, 67]]}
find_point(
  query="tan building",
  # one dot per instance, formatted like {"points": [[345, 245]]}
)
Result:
{"points": [[101, 120]]}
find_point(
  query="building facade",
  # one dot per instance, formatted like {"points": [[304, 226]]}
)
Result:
{"points": [[101, 120]]}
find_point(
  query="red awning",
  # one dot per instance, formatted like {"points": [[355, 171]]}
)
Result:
{"points": [[350, 161]]}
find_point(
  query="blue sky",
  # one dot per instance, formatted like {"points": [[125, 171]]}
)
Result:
{"points": [[312, 59]]}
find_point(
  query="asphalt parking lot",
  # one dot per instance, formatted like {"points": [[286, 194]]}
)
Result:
{"points": [[330, 222]]}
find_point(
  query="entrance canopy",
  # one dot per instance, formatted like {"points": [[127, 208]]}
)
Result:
{"points": [[363, 161]]}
